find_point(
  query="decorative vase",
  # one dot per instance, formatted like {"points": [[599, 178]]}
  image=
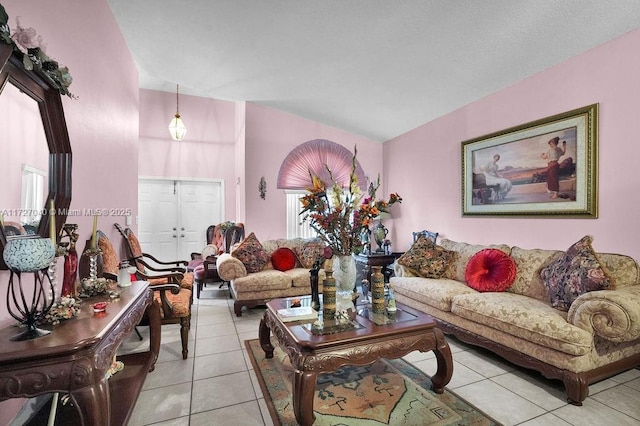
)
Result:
{"points": [[329, 296], [379, 234], [70, 272], [29, 253], [377, 290], [344, 272], [29, 304]]}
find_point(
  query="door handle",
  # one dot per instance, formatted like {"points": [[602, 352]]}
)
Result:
{"points": [[174, 228], [182, 236], [174, 235], [182, 229]]}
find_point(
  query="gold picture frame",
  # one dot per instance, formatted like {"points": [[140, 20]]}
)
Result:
{"points": [[547, 168]]}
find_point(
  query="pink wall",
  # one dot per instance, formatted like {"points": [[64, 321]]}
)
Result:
{"points": [[102, 122], [429, 157], [270, 136], [207, 151]]}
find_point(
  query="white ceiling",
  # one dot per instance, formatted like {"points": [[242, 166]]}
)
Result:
{"points": [[376, 68]]}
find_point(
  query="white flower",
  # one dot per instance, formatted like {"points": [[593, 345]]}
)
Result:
{"points": [[26, 38]]}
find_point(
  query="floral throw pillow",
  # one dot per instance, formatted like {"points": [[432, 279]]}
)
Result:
{"points": [[427, 259], [309, 251], [251, 253], [576, 272]]}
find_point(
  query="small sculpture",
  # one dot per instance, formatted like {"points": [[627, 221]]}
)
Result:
{"points": [[262, 188]]}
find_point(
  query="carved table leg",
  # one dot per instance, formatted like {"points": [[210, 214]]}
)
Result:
{"points": [[445, 362], [94, 404], [264, 333], [304, 388]]}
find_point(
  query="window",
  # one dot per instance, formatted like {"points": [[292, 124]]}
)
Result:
{"points": [[313, 157], [296, 228], [32, 198]]}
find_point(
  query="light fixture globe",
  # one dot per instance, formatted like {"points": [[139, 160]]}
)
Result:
{"points": [[177, 128], [28, 254]]}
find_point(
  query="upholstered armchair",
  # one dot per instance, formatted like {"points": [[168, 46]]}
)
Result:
{"points": [[203, 264], [175, 305]]}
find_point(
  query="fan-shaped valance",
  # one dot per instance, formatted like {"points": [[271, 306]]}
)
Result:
{"points": [[315, 156]]}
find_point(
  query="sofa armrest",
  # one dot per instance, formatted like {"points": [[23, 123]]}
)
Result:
{"points": [[230, 268], [611, 314]]}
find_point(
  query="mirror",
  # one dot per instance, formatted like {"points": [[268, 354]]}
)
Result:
{"points": [[26, 161], [32, 98]]}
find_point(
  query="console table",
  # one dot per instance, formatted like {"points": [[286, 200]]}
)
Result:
{"points": [[75, 356]]}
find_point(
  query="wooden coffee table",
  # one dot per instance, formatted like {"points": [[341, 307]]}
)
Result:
{"points": [[359, 341]]}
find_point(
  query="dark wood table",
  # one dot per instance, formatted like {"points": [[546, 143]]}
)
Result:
{"points": [[75, 356], [367, 338], [364, 262]]}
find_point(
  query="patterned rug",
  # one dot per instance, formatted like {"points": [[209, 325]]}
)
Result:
{"points": [[388, 392]]}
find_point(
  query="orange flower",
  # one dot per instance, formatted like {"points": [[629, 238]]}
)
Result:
{"points": [[340, 215]]}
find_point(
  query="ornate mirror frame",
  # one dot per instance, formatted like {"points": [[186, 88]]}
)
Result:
{"points": [[39, 87]]}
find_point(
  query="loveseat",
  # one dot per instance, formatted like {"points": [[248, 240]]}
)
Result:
{"points": [[261, 271], [597, 337]]}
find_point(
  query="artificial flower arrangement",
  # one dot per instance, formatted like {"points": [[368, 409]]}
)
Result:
{"points": [[338, 214], [63, 309], [30, 44]]}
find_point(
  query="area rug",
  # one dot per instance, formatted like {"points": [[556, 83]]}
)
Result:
{"points": [[388, 392]]}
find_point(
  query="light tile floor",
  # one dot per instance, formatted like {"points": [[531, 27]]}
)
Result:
{"points": [[216, 385]]}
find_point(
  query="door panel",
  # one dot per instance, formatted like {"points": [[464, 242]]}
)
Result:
{"points": [[174, 215], [200, 206], [158, 216]]}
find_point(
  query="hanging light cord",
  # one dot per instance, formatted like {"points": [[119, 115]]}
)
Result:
{"points": [[177, 101]]}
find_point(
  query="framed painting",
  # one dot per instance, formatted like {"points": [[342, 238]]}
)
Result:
{"points": [[544, 168]]}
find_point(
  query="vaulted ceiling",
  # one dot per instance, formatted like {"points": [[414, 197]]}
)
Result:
{"points": [[377, 68]]}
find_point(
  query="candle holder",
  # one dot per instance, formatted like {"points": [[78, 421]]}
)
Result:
{"points": [[29, 255], [92, 285], [93, 265]]}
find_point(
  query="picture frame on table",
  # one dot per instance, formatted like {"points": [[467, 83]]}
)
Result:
{"points": [[545, 168]]}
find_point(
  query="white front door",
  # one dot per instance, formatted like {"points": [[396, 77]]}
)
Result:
{"points": [[174, 215]]}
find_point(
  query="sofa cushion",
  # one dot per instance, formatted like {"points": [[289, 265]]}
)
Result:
{"points": [[490, 270], [269, 279], [576, 272], [251, 254], [464, 252], [524, 317], [426, 258], [283, 259], [435, 292], [300, 277], [529, 263]]}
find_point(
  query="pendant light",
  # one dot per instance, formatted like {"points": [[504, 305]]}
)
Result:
{"points": [[176, 126]]}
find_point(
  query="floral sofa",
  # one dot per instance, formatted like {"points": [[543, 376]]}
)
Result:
{"points": [[542, 320], [262, 271]]}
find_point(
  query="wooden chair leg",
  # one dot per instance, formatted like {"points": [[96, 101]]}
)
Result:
{"points": [[185, 325]]}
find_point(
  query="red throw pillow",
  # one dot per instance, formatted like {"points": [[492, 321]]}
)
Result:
{"points": [[283, 259], [490, 270]]}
